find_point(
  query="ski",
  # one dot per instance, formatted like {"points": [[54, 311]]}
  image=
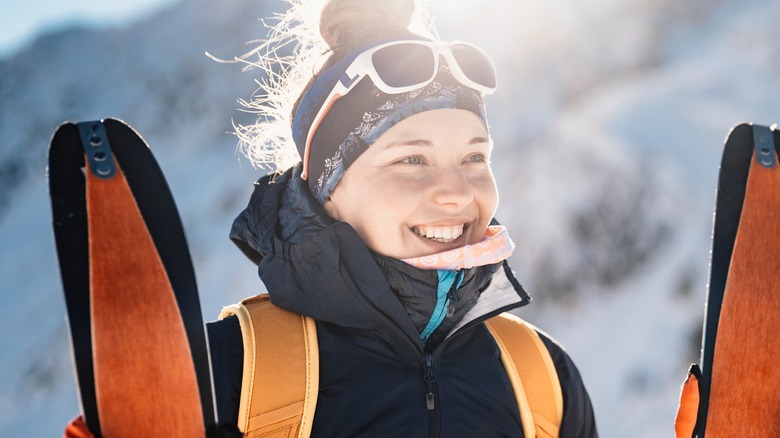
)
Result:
{"points": [[737, 387], [138, 340]]}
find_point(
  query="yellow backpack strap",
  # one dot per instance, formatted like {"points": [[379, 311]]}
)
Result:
{"points": [[532, 374], [281, 370]]}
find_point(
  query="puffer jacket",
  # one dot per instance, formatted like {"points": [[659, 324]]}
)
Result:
{"points": [[378, 377]]}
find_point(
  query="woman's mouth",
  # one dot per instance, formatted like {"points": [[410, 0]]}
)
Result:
{"points": [[441, 234]]}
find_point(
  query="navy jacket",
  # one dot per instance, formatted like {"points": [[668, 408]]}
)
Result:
{"points": [[377, 377]]}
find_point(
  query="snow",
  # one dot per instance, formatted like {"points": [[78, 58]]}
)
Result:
{"points": [[608, 124]]}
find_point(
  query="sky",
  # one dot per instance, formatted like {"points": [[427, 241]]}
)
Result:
{"points": [[22, 21]]}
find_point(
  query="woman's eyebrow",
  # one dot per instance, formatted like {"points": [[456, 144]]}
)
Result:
{"points": [[428, 143], [414, 142]]}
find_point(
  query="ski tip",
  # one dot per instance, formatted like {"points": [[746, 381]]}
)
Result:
{"points": [[58, 131], [113, 123], [737, 127]]}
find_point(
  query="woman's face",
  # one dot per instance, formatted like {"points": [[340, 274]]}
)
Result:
{"points": [[425, 186]]}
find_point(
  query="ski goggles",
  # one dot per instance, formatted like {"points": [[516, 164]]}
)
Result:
{"points": [[406, 65]]}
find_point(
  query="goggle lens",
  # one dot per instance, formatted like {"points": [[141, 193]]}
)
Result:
{"points": [[474, 64], [403, 65]]}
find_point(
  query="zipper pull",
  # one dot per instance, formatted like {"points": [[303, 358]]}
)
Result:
{"points": [[452, 295], [430, 379]]}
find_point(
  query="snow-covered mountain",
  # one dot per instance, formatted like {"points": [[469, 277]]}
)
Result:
{"points": [[608, 124]]}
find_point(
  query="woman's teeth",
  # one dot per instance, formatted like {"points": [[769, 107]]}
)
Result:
{"points": [[440, 234]]}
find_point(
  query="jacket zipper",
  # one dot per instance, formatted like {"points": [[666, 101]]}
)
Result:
{"points": [[430, 396], [430, 380], [429, 374], [427, 359]]}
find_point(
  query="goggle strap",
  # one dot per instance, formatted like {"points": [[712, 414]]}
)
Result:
{"points": [[349, 82], [313, 129]]}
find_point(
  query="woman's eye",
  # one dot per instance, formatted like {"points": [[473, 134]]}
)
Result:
{"points": [[413, 159], [477, 158]]}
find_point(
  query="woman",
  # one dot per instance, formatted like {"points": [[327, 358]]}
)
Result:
{"points": [[394, 142]]}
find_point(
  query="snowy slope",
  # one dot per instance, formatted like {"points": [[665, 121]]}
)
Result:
{"points": [[609, 123]]}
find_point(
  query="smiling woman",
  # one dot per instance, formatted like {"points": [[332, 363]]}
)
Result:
{"points": [[424, 187], [383, 234]]}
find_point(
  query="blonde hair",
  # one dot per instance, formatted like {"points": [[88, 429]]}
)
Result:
{"points": [[318, 33]]}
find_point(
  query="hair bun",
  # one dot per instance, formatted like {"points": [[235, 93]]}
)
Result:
{"points": [[348, 24]]}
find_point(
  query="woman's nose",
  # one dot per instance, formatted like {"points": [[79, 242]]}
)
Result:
{"points": [[453, 188]]}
